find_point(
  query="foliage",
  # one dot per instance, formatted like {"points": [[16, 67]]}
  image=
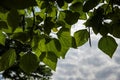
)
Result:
{"points": [[14, 72], [26, 27]]}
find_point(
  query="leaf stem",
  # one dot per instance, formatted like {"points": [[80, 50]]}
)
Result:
{"points": [[31, 30], [89, 37]]}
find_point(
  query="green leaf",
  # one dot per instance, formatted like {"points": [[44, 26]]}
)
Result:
{"points": [[50, 60], [29, 22], [22, 36], [2, 38], [3, 24], [65, 7], [74, 45], [90, 4], [29, 62], [54, 46], [3, 16], [108, 45], [68, 1], [60, 3], [48, 25], [81, 37], [13, 19], [57, 44], [18, 4], [35, 44], [71, 17], [65, 40], [77, 7], [7, 59], [39, 19], [95, 21], [115, 29], [53, 12], [42, 45]]}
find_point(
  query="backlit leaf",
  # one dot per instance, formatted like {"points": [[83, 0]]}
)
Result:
{"points": [[108, 45], [51, 60], [54, 46], [81, 37], [65, 40]]}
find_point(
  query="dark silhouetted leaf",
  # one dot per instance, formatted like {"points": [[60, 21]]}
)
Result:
{"points": [[77, 7], [22, 36], [60, 3], [18, 4], [13, 19], [3, 24], [68, 1], [71, 18], [74, 45], [7, 59], [90, 4], [29, 62]]}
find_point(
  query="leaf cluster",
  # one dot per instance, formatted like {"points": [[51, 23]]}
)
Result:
{"points": [[26, 29]]}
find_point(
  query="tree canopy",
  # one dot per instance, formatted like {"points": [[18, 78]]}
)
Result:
{"points": [[26, 27]]}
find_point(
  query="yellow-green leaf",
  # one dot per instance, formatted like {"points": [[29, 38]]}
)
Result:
{"points": [[2, 38], [81, 37], [51, 60]]}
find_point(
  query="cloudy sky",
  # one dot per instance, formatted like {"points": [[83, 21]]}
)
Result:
{"points": [[88, 63]]}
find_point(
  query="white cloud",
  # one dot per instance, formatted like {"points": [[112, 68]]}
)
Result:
{"points": [[88, 63]]}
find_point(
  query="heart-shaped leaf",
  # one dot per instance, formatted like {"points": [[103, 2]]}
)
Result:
{"points": [[108, 45], [71, 17], [90, 4], [81, 37], [29, 62]]}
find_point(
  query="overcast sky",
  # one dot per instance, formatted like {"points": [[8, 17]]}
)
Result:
{"points": [[88, 63]]}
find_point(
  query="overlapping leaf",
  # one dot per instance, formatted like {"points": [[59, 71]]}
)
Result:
{"points": [[7, 59], [50, 59], [18, 4], [13, 19], [2, 38], [65, 41], [81, 37], [29, 62], [54, 46], [71, 17], [90, 4]]}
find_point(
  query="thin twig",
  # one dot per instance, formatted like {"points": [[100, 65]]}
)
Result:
{"points": [[89, 37]]}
